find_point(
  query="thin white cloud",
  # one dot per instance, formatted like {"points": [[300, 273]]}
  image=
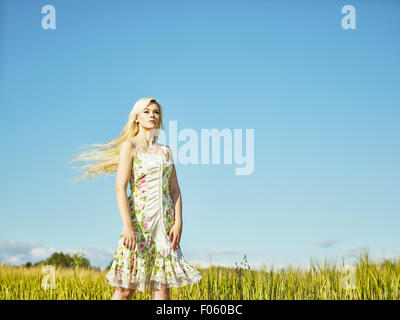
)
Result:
{"points": [[327, 243], [15, 259], [211, 252], [42, 253], [16, 252], [14, 247], [220, 251]]}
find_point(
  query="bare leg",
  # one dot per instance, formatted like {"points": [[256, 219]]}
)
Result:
{"points": [[162, 294], [123, 294]]}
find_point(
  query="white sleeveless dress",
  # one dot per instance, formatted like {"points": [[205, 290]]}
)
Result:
{"points": [[153, 263]]}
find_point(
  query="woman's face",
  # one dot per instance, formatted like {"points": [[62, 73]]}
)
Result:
{"points": [[150, 116]]}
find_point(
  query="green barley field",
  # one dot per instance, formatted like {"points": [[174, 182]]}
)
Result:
{"points": [[366, 279]]}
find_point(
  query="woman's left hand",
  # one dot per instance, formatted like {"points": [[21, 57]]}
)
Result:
{"points": [[175, 235]]}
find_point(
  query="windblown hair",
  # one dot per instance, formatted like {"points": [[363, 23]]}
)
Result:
{"points": [[105, 157]]}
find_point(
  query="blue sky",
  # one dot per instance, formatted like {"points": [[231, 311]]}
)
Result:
{"points": [[323, 102]]}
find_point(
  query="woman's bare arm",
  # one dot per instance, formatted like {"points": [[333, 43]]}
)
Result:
{"points": [[124, 171], [175, 191]]}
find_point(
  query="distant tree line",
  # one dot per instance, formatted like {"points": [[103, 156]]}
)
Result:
{"points": [[64, 260]]}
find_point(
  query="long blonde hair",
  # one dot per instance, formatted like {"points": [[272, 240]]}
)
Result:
{"points": [[105, 158]]}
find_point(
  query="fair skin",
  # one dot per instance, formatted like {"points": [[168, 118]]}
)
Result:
{"points": [[148, 120]]}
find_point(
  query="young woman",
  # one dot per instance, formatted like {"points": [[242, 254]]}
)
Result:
{"points": [[148, 254]]}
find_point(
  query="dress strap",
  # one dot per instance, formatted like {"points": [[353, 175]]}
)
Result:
{"points": [[166, 152]]}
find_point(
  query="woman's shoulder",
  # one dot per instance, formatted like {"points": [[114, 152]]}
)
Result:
{"points": [[165, 147], [130, 144], [132, 140], [168, 151], [133, 143]]}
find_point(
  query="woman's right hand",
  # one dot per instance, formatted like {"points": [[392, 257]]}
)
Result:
{"points": [[129, 239]]}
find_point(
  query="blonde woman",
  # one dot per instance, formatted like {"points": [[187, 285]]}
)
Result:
{"points": [[148, 254]]}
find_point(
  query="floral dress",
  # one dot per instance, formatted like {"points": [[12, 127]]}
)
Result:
{"points": [[153, 263]]}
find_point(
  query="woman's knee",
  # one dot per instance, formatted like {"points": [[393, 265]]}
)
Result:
{"points": [[163, 293], [125, 291]]}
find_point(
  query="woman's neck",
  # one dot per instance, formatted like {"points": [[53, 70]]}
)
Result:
{"points": [[145, 139]]}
